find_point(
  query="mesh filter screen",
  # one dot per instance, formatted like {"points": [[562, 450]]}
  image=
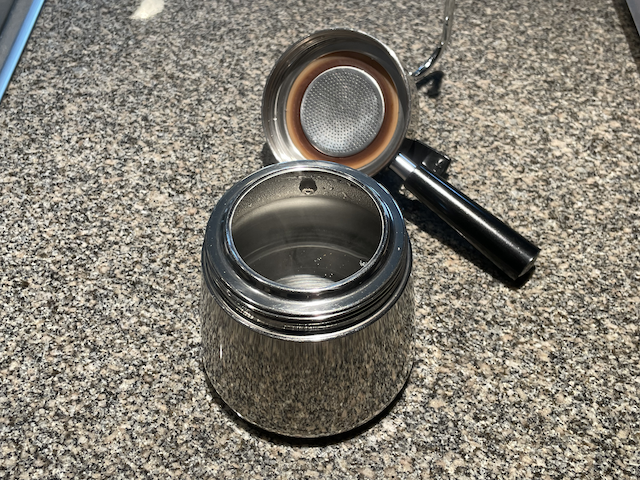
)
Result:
{"points": [[342, 111]]}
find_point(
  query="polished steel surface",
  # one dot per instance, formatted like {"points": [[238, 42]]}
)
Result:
{"points": [[447, 28], [307, 305], [307, 242], [5, 8], [17, 19], [308, 386], [300, 55], [337, 121], [634, 8], [342, 111]]}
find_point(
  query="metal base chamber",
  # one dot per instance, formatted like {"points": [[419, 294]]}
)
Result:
{"points": [[307, 303]]}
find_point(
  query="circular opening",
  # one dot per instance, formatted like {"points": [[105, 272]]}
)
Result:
{"points": [[319, 108], [306, 231], [342, 111]]}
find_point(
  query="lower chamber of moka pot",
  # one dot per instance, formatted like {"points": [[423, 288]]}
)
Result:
{"points": [[307, 304]]}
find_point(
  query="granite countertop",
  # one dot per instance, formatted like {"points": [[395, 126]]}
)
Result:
{"points": [[117, 137]]}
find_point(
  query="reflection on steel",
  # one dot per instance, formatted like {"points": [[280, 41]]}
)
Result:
{"points": [[16, 22], [351, 59], [307, 305], [447, 28], [634, 8]]}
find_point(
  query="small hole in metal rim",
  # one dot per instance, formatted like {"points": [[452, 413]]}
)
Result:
{"points": [[308, 186]]}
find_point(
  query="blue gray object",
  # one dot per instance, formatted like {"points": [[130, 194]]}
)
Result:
{"points": [[17, 18], [634, 8]]}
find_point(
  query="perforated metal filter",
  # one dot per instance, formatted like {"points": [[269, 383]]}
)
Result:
{"points": [[376, 111], [342, 111]]}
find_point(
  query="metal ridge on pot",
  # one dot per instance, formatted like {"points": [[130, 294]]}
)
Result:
{"points": [[307, 304]]}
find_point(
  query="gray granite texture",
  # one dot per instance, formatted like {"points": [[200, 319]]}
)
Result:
{"points": [[117, 136]]}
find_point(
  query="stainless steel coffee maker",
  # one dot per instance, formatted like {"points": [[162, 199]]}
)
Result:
{"points": [[343, 96], [307, 299]]}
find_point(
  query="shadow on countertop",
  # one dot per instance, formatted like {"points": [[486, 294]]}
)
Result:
{"points": [[427, 221]]}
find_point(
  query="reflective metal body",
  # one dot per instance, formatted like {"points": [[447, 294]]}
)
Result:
{"points": [[295, 61], [321, 101], [344, 124], [447, 28], [307, 304], [17, 19]]}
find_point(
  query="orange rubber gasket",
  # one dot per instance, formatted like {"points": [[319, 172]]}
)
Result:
{"points": [[302, 82]]}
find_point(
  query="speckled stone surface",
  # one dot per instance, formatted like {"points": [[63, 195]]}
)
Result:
{"points": [[117, 136]]}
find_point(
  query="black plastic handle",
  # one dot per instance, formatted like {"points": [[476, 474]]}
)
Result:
{"points": [[501, 244]]}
